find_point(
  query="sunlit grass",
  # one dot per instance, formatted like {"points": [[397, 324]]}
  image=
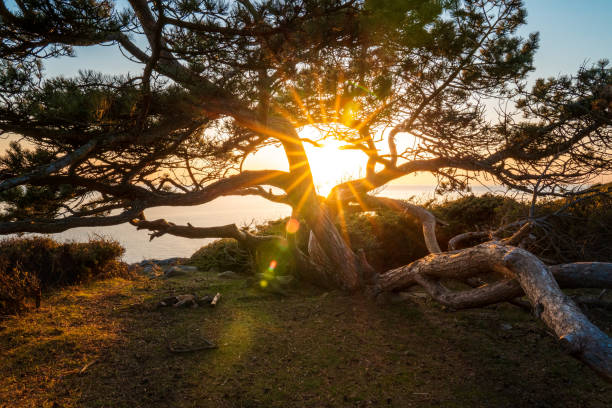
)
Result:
{"points": [[307, 348]]}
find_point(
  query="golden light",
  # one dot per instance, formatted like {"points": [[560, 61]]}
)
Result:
{"points": [[331, 165], [350, 113]]}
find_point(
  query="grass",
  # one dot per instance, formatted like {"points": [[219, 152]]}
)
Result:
{"points": [[310, 348]]}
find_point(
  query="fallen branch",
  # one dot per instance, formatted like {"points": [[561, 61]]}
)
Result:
{"points": [[425, 218], [521, 268]]}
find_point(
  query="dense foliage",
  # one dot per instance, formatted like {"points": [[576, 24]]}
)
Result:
{"points": [[31, 265], [578, 232], [222, 80]]}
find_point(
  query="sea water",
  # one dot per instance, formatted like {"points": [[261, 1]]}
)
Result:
{"points": [[222, 211]]}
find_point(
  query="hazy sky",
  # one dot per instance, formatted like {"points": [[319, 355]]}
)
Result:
{"points": [[572, 33]]}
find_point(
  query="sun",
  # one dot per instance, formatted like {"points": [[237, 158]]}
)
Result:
{"points": [[331, 165]]}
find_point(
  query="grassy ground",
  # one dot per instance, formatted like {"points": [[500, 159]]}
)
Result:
{"points": [[307, 349]]}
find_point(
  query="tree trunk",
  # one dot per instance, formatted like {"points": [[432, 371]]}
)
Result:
{"points": [[332, 252], [347, 271]]}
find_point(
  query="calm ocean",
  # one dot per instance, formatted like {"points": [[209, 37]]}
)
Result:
{"points": [[225, 210]]}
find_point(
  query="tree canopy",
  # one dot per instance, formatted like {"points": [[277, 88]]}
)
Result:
{"points": [[415, 85], [405, 82]]}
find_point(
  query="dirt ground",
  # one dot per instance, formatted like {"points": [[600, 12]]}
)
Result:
{"points": [[106, 344]]}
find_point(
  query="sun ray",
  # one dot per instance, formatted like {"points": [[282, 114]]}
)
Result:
{"points": [[297, 165], [342, 219], [284, 113], [304, 197], [371, 116], [263, 179], [297, 181], [320, 97], [300, 103], [363, 205]]}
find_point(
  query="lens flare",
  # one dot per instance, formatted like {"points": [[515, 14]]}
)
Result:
{"points": [[263, 283], [292, 226], [350, 113]]}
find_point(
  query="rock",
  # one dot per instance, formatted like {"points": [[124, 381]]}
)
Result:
{"points": [[173, 272], [187, 300], [152, 271], [228, 275], [506, 326], [179, 270], [188, 268], [163, 262]]}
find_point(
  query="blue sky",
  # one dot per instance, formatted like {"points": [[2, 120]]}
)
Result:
{"points": [[572, 32]]}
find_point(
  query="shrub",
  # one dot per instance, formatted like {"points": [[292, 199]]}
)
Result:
{"points": [[387, 238], [475, 213], [16, 285], [583, 232], [29, 265], [221, 255]]}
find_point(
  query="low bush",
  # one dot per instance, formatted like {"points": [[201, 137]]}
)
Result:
{"points": [[387, 238], [475, 213], [16, 285], [580, 232], [30, 265], [221, 255]]}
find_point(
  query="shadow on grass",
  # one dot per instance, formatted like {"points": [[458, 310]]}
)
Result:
{"points": [[305, 349]]}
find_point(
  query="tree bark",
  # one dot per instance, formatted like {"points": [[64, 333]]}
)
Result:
{"points": [[347, 271]]}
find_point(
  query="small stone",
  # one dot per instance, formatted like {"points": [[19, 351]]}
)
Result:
{"points": [[174, 272], [506, 326], [179, 270]]}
